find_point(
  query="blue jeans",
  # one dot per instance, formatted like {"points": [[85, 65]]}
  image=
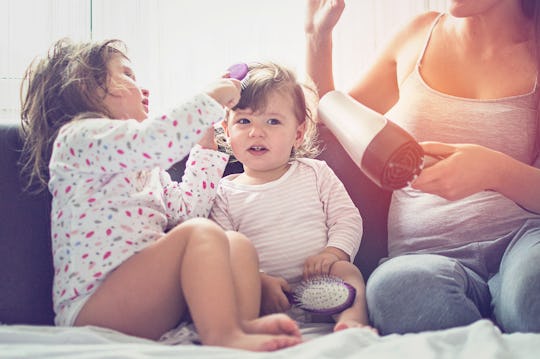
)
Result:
{"points": [[499, 280]]}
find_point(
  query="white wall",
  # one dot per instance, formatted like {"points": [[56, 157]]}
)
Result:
{"points": [[178, 46]]}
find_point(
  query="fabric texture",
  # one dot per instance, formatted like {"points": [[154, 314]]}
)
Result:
{"points": [[479, 340]]}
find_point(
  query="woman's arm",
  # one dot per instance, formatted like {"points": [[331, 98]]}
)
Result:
{"points": [[321, 17], [520, 183], [378, 86], [377, 89], [467, 169]]}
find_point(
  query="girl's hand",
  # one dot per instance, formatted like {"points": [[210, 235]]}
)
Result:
{"points": [[319, 264], [208, 140], [226, 91], [273, 298], [464, 170], [322, 15]]}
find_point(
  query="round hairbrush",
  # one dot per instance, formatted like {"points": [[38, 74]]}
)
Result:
{"points": [[325, 294]]}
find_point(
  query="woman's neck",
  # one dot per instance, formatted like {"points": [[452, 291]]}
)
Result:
{"points": [[502, 25]]}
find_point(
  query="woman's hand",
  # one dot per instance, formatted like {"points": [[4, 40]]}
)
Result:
{"points": [[464, 170], [273, 298], [322, 15]]}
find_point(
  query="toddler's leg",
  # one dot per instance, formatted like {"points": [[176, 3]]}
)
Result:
{"points": [[356, 315], [245, 268], [414, 293], [189, 267], [516, 288]]}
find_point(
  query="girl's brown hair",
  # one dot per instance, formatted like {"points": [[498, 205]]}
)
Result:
{"points": [[265, 78], [67, 84]]}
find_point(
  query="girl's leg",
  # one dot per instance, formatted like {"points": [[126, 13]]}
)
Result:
{"points": [[189, 267], [356, 315], [245, 268], [420, 292], [516, 287]]}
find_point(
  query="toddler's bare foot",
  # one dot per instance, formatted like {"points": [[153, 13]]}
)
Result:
{"points": [[345, 324], [273, 324], [255, 342]]}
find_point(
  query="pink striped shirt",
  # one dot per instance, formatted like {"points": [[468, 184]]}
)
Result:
{"points": [[291, 218]]}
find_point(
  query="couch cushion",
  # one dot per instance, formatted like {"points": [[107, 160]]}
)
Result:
{"points": [[25, 248]]}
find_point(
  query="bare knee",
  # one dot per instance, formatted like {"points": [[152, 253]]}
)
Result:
{"points": [[346, 270], [198, 229], [242, 246]]}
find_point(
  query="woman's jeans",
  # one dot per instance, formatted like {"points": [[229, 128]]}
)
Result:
{"points": [[499, 280]]}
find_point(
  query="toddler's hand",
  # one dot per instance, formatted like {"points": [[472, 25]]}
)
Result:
{"points": [[226, 91], [319, 264], [273, 291]]}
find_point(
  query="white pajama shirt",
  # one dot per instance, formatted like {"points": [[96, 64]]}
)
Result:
{"points": [[112, 196]]}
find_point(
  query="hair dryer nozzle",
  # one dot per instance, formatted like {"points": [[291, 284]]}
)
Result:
{"points": [[385, 152]]}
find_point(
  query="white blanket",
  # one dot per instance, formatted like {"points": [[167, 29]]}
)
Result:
{"points": [[478, 340]]}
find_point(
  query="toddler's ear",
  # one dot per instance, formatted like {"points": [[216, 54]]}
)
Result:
{"points": [[300, 131], [224, 125]]}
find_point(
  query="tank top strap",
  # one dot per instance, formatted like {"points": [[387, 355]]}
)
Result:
{"points": [[421, 56], [537, 59]]}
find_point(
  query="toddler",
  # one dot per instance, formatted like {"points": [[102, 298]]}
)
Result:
{"points": [[293, 208]]}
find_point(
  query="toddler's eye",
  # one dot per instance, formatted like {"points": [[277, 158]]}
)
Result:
{"points": [[243, 121], [273, 121]]}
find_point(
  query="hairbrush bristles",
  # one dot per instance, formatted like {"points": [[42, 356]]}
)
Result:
{"points": [[323, 295], [239, 71]]}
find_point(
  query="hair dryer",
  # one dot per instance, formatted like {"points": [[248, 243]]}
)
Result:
{"points": [[385, 152]]}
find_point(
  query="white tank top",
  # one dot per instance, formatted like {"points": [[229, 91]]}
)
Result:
{"points": [[427, 223]]}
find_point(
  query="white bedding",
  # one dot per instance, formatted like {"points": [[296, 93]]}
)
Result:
{"points": [[478, 340]]}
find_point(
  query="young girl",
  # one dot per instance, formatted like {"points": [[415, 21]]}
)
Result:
{"points": [[294, 209], [129, 253]]}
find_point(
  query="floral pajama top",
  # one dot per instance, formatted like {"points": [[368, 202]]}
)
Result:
{"points": [[112, 196]]}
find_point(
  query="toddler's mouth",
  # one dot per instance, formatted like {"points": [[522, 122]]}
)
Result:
{"points": [[257, 149]]}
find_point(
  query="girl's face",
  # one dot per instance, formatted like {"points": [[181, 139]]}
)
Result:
{"points": [[125, 99], [263, 140]]}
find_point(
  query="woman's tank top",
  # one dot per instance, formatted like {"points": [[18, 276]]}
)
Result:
{"points": [[427, 223]]}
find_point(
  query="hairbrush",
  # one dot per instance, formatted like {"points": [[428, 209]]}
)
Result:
{"points": [[324, 294], [239, 71]]}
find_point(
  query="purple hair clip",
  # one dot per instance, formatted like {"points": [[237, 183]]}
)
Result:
{"points": [[239, 71]]}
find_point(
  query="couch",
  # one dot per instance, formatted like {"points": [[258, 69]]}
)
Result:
{"points": [[26, 315], [26, 268]]}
